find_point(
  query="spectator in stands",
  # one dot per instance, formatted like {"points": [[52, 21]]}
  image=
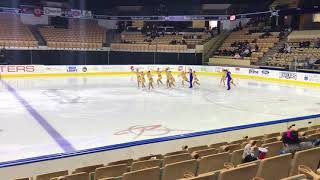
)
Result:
{"points": [[256, 47], [293, 142], [266, 34], [246, 52], [3, 55], [287, 48], [237, 56], [316, 63], [317, 43], [184, 42], [304, 44], [250, 152], [281, 35], [255, 40], [309, 62]]}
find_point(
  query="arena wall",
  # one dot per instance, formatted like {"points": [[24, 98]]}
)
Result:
{"points": [[70, 161], [98, 57]]}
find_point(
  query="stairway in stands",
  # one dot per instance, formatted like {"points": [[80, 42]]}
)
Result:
{"points": [[113, 36], [35, 32], [213, 45], [272, 51]]}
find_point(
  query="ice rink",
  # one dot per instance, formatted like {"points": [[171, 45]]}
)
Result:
{"points": [[41, 116]]}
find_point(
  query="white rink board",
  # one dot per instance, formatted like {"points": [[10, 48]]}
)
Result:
{"points": [[272, 74]]}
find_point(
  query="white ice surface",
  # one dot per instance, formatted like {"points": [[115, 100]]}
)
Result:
{"points": [[90, 111]]}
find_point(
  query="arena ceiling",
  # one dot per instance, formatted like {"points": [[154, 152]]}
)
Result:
{"points": [[153, 7]]}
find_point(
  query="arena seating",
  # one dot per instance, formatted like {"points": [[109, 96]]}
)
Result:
{"points": [[253, 39], [149, 47], [81, 34], [221, 161], [136, 41], [14, 34], [298, 53]]}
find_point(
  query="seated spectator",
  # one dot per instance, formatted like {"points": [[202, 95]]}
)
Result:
{"points": [[256, 47], [316, 64], [293, 142], [173, 42], [246, 53], [317, 43], [287, 48], [255, 41], [250, 152], [184, 42], [237, 56], [281, 35], [309, 62], [266, 34], [304, 44]]}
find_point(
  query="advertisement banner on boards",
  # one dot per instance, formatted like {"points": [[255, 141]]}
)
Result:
{"points": [[288, 75], [312, 77], [20, 69], [76, 13], [52, 11], [86, 14]]}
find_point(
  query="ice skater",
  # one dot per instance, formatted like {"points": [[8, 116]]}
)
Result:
{"points": [[229, 79], [223, 77], [190, 78], [138, 78], [183, 78], [159, 80], [195, 79], [171, 79], [167, 78], [150, 78], [142, 79]]}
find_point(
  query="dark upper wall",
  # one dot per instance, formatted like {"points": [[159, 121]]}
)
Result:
{"points": [[152, 7], [306, 22]]}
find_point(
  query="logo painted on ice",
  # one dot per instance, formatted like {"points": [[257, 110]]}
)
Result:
{"points": [[148, 130], [288, 75], [72, 69]]}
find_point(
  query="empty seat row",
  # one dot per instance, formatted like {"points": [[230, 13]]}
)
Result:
{"points": [[74, 45], [208, 158], [273, 168]]}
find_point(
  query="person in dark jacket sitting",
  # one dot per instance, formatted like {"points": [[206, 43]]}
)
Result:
{"points": [[293, 142]]}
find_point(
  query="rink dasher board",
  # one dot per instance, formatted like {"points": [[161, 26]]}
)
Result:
{"points": [[20, 71]]}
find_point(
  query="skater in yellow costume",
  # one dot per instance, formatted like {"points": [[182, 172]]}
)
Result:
{"points": [[143, 80], [184, 78], [167, 78], [195, 78], [150, 78], [171, 79], [138, 77], [223, 77], [159, 73]]}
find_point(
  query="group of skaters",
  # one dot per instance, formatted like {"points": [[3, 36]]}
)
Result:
{"points": [[170, 80], [191, 81]]}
